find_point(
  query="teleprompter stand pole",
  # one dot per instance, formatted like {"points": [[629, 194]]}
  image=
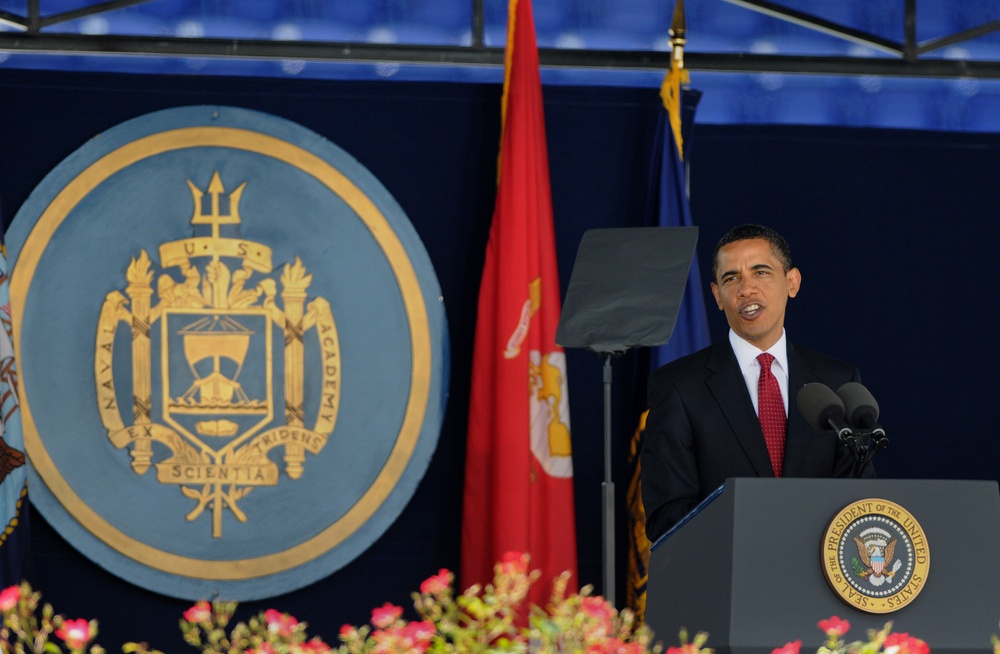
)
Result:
{"points": [[608, 492], [625, 291]]}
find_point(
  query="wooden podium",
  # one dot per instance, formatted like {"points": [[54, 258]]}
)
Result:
{"points": [[747, 565]]}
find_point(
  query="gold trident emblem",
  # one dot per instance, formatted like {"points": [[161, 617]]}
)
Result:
{"points": [[219, 433]]}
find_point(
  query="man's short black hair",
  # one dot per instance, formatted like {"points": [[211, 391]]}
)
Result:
{"points": [[746, 232]]}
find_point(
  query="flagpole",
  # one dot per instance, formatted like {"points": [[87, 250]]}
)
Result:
{"points": [[678, 35], [678, 38], [608, 491]]}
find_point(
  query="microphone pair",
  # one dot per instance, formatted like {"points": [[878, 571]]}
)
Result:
{"points": [[851, 408], [852, 412]]}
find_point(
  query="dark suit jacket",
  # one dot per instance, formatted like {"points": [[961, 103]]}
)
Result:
{"points": [[702, 429]]}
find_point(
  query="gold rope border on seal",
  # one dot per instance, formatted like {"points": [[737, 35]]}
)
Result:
{"points": [[829, 554], [413, 301]]}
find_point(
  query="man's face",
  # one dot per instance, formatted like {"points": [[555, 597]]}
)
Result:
{"points": [[752, 287]]}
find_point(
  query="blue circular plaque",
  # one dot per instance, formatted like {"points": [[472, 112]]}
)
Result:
{"points": [[233, 353]]}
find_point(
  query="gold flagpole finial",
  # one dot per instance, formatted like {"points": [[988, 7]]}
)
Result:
{"points": [[678, 35], [677, 76]]}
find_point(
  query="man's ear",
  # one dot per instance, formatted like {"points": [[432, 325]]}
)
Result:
{"points": [[718, 296], [794, 278]]}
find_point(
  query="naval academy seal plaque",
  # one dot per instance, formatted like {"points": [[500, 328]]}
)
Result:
{"points": [[232, 350]]}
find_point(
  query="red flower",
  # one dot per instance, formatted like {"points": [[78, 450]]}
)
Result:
{"points": [[75, 633], [835, 626], [597, 608], [616, 646], [420, 631], [280, 623], [9, 597], [436, 584], [789, 648], [413, 638], [314, 646], [385, 615], [514, 563], [417, 635], [200, 612], [609, 646], [905, 644]]}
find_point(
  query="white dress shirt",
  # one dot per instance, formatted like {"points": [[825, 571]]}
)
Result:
{"points": [[746, 356]]}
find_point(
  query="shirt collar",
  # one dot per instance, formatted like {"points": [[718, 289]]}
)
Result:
{"points": [[746, 353]]}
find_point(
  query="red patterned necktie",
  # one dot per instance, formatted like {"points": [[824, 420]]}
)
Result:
{"points": [[771, 411]]}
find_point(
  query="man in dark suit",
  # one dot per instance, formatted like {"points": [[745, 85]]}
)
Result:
{"points": [[703, 425]]}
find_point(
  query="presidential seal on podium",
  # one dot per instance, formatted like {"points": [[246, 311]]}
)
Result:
{"points": [[875, 556]]}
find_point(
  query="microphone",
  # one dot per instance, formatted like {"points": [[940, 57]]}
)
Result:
{"points": [[860, 408], [823, 409]]}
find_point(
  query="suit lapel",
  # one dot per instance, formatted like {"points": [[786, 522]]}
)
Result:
{"points": [[730, 390], [801, 372]]}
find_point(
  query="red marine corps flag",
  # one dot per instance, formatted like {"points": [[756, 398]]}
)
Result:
{"points": [[518, 468]]}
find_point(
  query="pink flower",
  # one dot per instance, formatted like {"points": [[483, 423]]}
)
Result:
{"points": [[315, 646], [9, 597], [419, 632], [200, 612], [413, 638], [514, 563], [835, 627], [436, 584], [385, 615], [347, 630], [75, 633], [265, 648], [616, 646], [280, 623], [789, 648], [687, 648], [597, 615], [388, 640], [905, 644], [597, 608], [417, 635]]}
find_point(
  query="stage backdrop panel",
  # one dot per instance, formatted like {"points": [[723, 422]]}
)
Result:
{"points": [[894, 232]]}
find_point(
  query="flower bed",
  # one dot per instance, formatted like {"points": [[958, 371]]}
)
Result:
{"points": [[491, 618]]}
